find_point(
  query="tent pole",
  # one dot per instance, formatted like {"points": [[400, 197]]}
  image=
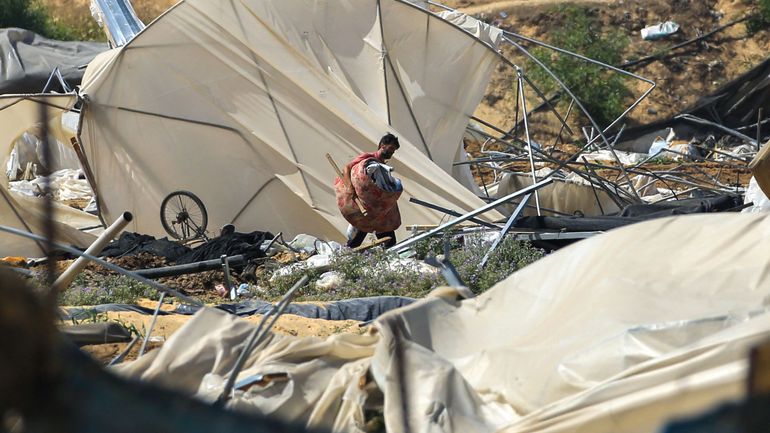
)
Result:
{"points": [[506, 228], [520, 80], [111, 266], [408, 242]]}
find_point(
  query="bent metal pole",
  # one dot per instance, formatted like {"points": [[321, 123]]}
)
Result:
{"points": [[408, 242], [68, 275]]}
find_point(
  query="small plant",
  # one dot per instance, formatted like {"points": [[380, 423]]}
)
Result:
{"points": [[602, 92], [96, 289], [93, 316], [760, 20], [509, 256]]}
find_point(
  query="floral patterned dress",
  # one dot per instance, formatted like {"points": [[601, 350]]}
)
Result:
{"points": [[381, 206]]}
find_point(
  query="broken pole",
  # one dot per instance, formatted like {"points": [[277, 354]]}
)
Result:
{"points": [[520, 75], [152, 324], [408, 242], [696, 119], [96, 247], [504, 231], [451, 212], [593, 188], [256, 337], [759, 127]]}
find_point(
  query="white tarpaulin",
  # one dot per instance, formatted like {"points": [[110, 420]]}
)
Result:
{"points": [[621, 332], [570, 196], [239, 102], [18, 113]]}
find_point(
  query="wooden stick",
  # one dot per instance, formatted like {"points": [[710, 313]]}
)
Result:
{"points": [[342, 178], [372, 245]]}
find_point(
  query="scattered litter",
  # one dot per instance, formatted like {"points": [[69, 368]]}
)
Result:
{"points": [[755, 195], [315, 262], [659, 31], [329, 280], [221, 290]]}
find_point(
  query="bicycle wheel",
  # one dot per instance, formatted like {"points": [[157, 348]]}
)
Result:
{"points": [[183, 215]]}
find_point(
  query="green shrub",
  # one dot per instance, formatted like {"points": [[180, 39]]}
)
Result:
{"points": [[377, 272], [602, 92], [760, 20], [32, 15], [509, 256]]}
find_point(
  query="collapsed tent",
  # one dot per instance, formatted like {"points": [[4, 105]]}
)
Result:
{"points": [[29, 59], [621, 339], [26, 213], [572, 196], [239, 102]]}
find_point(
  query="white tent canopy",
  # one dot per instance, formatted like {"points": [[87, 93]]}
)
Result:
{"points": [[239, 102], [18, 113], [621, 332]]}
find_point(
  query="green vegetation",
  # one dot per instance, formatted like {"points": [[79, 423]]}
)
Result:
{"points": [[761, 18], [93, 316], [379, 273], [96, 289], [32, 15], [603, 93], [509, 256]]}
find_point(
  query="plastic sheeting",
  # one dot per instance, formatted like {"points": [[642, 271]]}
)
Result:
{"points": [[29, 59], [239, 102], [562, 196], [18, 113], [360, 309], [760, 167], [621, 332]]}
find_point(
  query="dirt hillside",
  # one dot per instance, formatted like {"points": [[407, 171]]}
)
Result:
{"points": [[682, 77]]}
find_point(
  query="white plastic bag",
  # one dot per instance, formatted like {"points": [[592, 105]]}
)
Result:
{"points": [[754, 194]]}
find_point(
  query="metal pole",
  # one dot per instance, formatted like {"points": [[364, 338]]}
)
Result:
{"points": [[49, 228], [111, 266], [504, 231], [451, 212], [526, 131], [589, 60], [548, 103], [470, 215], [228, 280], [190, 268], [580, 105], [152, 324], [759, 127], [695, 119], [96, 247], [561, 130], [256, 337], [121, 355], [593, 188]]}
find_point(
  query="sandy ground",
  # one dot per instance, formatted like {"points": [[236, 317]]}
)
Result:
{"points": [[520, 7]]}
